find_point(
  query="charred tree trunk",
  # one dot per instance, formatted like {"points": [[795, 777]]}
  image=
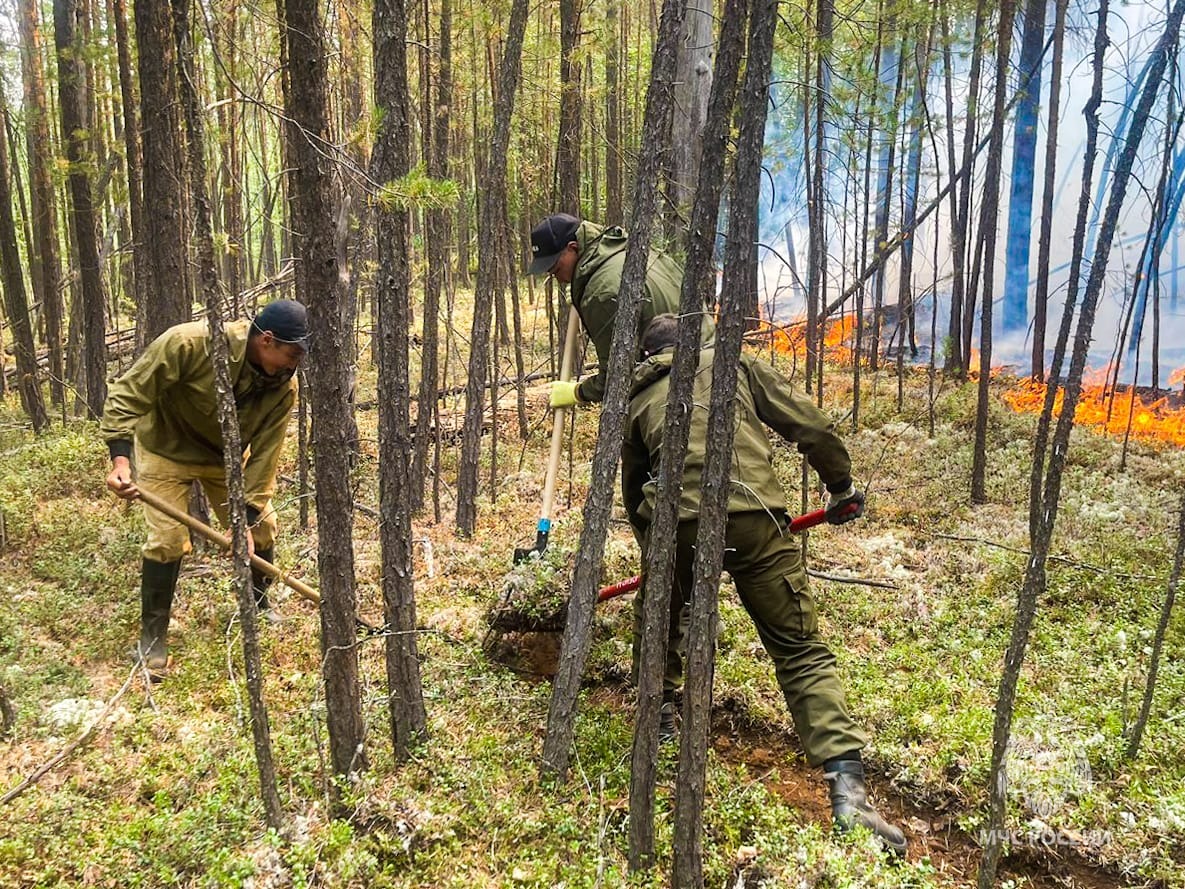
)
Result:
{"points": [[390, 161], [232, 445], [313, 219], [75, 125], [696, 290], [164, 175], [574, 647], [491, 199]]}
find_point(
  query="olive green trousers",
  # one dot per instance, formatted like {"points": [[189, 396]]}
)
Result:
{"points": [[766, 565]]}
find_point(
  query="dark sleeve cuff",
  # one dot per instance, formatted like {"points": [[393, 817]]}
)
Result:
{"points": [[840, 486], [253, 515], [119, 447]]}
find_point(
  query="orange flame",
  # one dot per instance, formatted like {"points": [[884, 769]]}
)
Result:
{"points": [[1177, 376], [1106, 410], [837, 340]]}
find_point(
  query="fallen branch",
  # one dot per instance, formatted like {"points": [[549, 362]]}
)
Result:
{"points": [[42, 770], [1073, 563], [858, 581]]}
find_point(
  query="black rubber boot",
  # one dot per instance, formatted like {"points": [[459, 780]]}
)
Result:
{"points": [[158, 580], [850, 806], [260, 583], [668, 729]]}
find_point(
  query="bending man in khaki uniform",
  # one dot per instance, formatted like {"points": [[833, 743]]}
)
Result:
{"points": [[164, 413], [764, 560]]}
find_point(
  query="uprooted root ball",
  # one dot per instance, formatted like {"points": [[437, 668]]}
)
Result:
{"points": [[534, 594]]}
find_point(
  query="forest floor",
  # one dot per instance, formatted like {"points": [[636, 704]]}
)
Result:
{"points": [[166, 792]]}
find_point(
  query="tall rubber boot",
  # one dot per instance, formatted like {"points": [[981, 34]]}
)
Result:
{"points": [[158, 581], [850, 806], [260, 583]]}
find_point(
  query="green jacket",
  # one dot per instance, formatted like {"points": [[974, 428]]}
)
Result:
{"points": [[595, 285], [763, 399], [167, 401]]}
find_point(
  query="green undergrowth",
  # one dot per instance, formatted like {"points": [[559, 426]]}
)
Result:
{"points": [[167, 792]]}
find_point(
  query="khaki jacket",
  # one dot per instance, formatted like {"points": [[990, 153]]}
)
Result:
{"points": [[763, 399], [167, 401], [596, 283]]}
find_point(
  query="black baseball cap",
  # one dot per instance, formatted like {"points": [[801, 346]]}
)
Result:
{"points": [[548, 240], [287, 321]]}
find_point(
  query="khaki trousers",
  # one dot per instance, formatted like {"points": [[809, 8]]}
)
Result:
{"points": [[766, 565], [168, 539]]}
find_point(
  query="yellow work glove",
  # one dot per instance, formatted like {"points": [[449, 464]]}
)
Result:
{"points": [[563, 394]]}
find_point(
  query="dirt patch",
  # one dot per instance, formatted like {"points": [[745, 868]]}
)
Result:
{"points": [[771, 758]]}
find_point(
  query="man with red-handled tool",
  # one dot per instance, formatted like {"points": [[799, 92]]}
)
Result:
{"points": [[763, 558], [163, 415]]}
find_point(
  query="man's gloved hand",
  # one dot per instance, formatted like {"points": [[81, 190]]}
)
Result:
{"points": [[839, 506], [563, 394]]}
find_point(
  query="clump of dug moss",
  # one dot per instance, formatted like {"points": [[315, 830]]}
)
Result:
{"points": [[534, 595]]}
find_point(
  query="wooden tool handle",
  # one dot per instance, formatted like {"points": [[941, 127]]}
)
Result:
{"points": [[223, 541]]}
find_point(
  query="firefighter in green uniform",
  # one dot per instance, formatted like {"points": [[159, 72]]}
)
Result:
{"points": [[591, 259], [765, 562], [163, 415]]}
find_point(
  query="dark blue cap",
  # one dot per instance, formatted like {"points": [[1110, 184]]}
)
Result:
{"points": [[548, 240], [287, 320]]}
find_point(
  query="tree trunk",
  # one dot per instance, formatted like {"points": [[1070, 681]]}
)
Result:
{"points": [[1044, 503], [574, 647], [568, 150], [693, 83], [438, 229], [989, 211], [45, 265], [659, 568], [75, 125], [164, 175], [957, 356], [1045, 239], [15, 298], [232, 446], [492, 195], [390, 161], [313, 219], [713, 518], [613, 147], [817, 267]]}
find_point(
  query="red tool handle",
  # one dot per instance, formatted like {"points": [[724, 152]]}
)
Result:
{"points": [[801, 523]]}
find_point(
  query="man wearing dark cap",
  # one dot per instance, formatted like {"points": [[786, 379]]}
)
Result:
{"points": [[163, 414], [591, 259]]}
